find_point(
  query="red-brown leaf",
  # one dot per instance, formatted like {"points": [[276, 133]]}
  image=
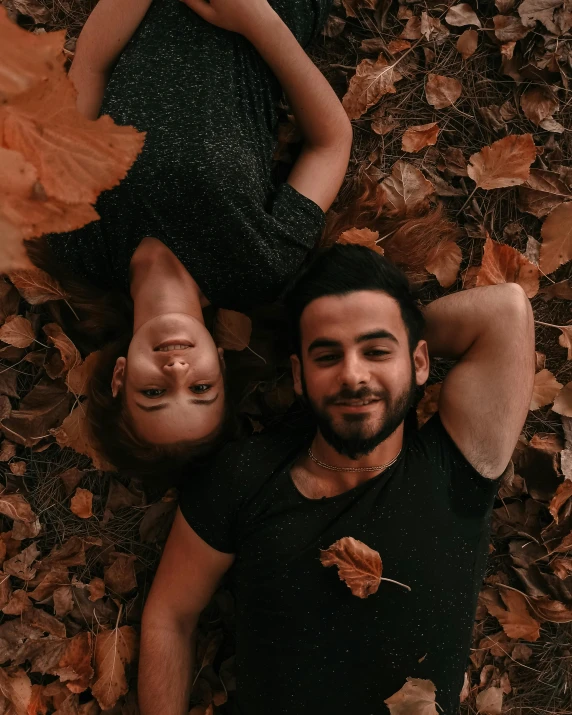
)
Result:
{"points": [[358, 565]]}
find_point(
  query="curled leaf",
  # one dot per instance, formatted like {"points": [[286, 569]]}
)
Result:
{"points": [[358, 565]]}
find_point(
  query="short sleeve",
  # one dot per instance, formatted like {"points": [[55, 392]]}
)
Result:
{"points": [[301, 213], [207, 504]]}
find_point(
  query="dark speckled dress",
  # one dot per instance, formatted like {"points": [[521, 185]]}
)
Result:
{"points": [[202, 183]]}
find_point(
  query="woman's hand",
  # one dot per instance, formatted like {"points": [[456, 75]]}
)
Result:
{"points": [[243, 16]]}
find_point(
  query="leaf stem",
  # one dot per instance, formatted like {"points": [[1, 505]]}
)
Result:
{"points": [[397, 583]]}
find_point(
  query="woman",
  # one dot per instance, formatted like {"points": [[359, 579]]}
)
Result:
{"points": [[197, 220]]}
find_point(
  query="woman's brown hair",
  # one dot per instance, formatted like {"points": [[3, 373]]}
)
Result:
{"points": [[96, 319]]}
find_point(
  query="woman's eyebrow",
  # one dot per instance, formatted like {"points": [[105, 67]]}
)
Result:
{"points": [[205, 402]]}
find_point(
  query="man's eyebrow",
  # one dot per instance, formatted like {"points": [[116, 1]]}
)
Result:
{"points": [[374, 335], [154, 408]]}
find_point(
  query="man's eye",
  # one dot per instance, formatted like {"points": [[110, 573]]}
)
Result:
{"points": [[377, 353], [327, 358], [155, 392], [199, 389]]}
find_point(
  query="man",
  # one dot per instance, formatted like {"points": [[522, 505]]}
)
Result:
{"points": [[305, 644]]}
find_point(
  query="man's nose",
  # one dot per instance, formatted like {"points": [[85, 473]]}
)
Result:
{"points": [[353, 372]]}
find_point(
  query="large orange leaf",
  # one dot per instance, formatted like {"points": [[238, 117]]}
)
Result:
{"points": [[504, 264], [515, 619], [406, 191], [444, 262], [36, 286], [371, 81], [546, 387], [114, 650], [416, 697], [504, 163], [556, 234], [74, 433]]}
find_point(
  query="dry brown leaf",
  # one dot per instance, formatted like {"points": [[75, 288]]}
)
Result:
{"points": [[74, 667], [406, 191], [36, 286], [17, 604], [358, 565], [563, 403], [21, 564], [444, 262], [18, 468], [17, 331], [429, 403], [561, 496], [515, 618], [232, 330], [96, 589], [489, 701], [467, 43], [433, 29], [69, 353], [63, 601], [412, 29], [74, 433], [352, 7], [120, 575], [397, 46], [538, 103], [50, 578], [372, 80], [553, 611], [542, 11], [418, 137], [442, 91], [15, 506], [70, 553], [79, 376], [561, 566], [8, 382], [334, 26], [15, 687], [5, 589], [114, 649], [504, 264], [44, 407], [71, 479], [543, 191], [504, 163], [81, 503], [416, 697], [546, 387], [556, 235], [509, 28], [361, 237], [38, 704], [461, 15]]}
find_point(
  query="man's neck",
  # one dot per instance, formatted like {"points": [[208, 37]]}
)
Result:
{"points": [[315, 481]]}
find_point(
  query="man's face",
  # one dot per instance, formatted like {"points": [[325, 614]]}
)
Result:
{"points": [[357, 371]]}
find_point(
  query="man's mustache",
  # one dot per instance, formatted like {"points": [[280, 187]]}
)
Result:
{"points": [[364, 393]]}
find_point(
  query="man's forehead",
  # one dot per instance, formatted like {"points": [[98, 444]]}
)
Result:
{"points": [[355, 312]]}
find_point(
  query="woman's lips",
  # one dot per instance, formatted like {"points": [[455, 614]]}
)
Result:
{"points": [[172, 345]]}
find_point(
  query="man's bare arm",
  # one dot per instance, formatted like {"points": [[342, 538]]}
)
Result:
{"points": [[107, 30], [485, 397], [188, 575]]}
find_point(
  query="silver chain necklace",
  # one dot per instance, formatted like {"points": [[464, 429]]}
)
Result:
{"points": [[351, 469]]}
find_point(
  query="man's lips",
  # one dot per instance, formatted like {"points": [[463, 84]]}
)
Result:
{"points": [[356, 404]]}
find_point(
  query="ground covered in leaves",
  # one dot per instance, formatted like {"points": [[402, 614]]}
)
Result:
{"points": [[464, 104]]}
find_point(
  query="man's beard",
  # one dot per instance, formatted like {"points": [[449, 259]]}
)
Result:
{"points": [[352, 441]]}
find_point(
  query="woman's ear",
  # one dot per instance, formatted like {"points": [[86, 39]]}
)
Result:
{"points": [[297, 374], [118, 376]]}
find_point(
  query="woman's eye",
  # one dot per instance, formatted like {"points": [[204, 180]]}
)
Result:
{"points": [[155, 392], [199, 389]]}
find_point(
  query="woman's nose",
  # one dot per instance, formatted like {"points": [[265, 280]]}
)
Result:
{"points": [[176, 365]]}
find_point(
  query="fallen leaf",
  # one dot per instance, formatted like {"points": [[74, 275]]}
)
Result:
{"points": [[538, 103], [5, 589], [358, 565], [52, 577], [412, 29], [509, 28], [444, 262], [361, 237], [556, 235], [542, 11], [16, 688], [69, 353], [442, 91], [81, 503], [18, 468], [397, 46], [71, 479], [433, 29], [232, 330], [515, 618], [542, 192], [15, 506], [80, 374], [489, 701], [44, 407], [120, 497], [21, 565], [504, 264], [353, 6], [17, 604], [96, 589], [74, 667], [38, 704], [120, 575], [429, 403], [561, 496], [74, 433], [461, 15], [561, 566], [334, 26], [416, 697], [467, 43], [70, 553], [504, 163], [372, 80], [406, 191], [114, 649], [17, 331], [546, 387], [418, 137], [563, 403], [8, 382], [553, 611], [36, 286]]}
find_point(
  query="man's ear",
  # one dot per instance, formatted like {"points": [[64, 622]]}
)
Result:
{"points": [[421, 362], [118, 376], [297, 374]]}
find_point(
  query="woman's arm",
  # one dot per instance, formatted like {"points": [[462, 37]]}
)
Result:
{"points": [[327, 132], [106, 32]]}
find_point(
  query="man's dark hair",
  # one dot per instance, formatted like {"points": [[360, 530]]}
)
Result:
{"points": [[343, 269]]}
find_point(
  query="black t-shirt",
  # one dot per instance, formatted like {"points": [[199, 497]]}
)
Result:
{"points": [[305, 644], [203, 182]]}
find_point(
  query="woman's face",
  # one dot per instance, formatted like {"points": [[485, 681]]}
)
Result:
{"points": [[172, 380]]}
